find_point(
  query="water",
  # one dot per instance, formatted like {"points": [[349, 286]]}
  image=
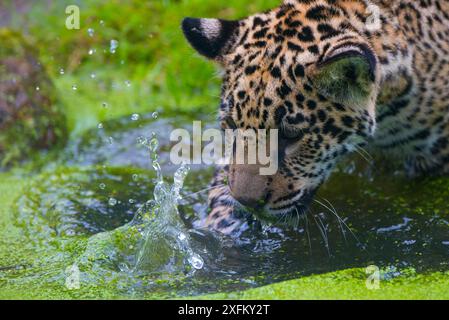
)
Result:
{"points": [[161, 226], [157, 248], [113, 46], [128, 132], [155, 242]]}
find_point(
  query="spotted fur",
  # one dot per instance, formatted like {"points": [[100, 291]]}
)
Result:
{"points": [[319, 72]]}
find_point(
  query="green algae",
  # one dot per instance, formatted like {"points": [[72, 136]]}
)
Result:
{"points": [[12, 253], [41, 266], [346, 285], [98, 249], [412, 255], [72, 201]]}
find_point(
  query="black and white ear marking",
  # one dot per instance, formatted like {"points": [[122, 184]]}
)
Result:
{"points": [[210, 37]]}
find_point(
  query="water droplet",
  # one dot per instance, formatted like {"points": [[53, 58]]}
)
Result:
{"points": [[155, 115], [101, 22], [104, 105], [74, 87], [131, 201], [112, 202], [100, 126], [196, 261], [93, 75], [102, 186], [178, 179], [135, 117], [61, 71], [154, 143], [91, 32], [141, 140], [113, 46], [128, 83], [92, 51], [37, 88]]}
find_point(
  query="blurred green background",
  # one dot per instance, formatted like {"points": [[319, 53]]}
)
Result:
{"points": [[152, 69]]}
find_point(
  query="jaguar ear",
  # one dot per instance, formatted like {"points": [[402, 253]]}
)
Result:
{"points": [[210, 37], [348, 76]]}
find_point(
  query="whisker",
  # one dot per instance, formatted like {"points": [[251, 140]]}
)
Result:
{"points": [[362, 149], [333, 211], [341, 222], [297, 218], [279, 220], [306, 222], [323, 234], [364, 154], [367, 159]]}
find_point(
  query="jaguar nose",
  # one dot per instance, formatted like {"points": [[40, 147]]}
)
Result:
{"points": [[247, 186]]}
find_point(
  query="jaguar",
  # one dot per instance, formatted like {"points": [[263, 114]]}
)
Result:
{"points": [[331, 76]]}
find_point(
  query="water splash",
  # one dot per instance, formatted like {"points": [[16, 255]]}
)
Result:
{"points": [[156, 241], [166, 244]]}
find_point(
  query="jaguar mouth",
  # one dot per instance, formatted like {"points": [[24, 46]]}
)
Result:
{"points": [[286, 217], [286, 214]]}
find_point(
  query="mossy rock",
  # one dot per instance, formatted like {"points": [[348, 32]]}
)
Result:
{"points": [[30, 119]]}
